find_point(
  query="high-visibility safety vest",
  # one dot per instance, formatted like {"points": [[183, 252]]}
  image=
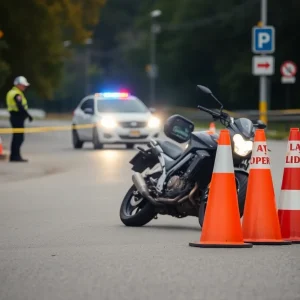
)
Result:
{"points": [[10, 101]]}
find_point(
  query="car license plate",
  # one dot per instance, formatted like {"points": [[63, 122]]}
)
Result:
{"points": [[135, 133]]}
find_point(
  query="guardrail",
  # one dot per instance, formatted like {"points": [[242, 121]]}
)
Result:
{"points": [[291, 115], [36, 113]]}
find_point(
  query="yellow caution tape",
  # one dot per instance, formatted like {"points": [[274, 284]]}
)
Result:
{"points": [[44, 129]]}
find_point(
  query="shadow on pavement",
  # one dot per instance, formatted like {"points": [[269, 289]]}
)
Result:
{"points": [[164, 227], [91, 149]]}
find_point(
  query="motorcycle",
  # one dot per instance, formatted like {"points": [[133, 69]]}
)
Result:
{"points": [[172, 180]]}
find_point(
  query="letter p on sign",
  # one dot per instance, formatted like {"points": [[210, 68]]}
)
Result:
{"points": [[263, 39]]}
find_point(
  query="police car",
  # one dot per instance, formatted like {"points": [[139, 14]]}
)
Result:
{"points": [[113, 118]]}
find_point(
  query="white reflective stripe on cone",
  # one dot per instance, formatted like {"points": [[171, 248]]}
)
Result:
{"points": [[292, 159], [292, 162], [224, 161], [293, 146], [260, 158], [289, 200]]}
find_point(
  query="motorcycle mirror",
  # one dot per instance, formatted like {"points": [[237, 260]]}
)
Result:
{"points": [[261, 124], [204, 89], [208, 91]]}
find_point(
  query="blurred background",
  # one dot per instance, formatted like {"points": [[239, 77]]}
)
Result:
{"points": [[158, 50]]}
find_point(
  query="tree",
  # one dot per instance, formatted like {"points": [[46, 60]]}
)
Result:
{"points": [[34, 33], [201, 41], [209, 42], [4, 67]]}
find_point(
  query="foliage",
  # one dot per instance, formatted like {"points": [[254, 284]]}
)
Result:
{"points": [[203, 42], [34, 32], [4, 67]]}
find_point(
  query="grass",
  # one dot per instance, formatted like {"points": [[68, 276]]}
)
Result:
{"points": [[277, 135], [64, 116], [67, 117], [274, 130]]}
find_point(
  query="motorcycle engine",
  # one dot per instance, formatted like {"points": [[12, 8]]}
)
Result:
{"points": [[174, 186]]}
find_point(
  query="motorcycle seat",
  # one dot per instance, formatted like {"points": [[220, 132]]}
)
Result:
{"points": [[170, 149]]}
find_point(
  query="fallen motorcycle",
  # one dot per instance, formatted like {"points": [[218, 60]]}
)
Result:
{"points": [[172, 180]]}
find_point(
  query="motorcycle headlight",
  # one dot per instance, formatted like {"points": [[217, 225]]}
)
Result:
{"points": [[153, 122], [108, 122], [242, 147]]}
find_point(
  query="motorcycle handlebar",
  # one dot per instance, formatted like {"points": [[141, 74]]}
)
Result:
{"points": [[213, 113]]}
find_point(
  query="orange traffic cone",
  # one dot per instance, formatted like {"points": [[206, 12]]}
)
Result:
{"points": [[212, 128], [2, 155], [289, 199], [222, 227], [260, 221]]}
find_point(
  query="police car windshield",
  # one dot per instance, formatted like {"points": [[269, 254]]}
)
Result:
{"points": [[121, 106]]}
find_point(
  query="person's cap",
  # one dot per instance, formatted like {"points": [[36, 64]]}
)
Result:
{"points": [[21, 80]]}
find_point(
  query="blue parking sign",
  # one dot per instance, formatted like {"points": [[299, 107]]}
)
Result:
{"points": [[263, 39]]}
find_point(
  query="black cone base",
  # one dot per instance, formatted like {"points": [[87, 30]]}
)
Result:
{"points": [[233, 245], [270, 242]]}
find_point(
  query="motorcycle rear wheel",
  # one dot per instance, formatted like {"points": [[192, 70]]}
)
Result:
{"points": [[145, 210], [242, 182]]}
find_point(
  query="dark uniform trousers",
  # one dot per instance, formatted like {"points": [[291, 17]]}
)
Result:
{"points": [[17, 120]]}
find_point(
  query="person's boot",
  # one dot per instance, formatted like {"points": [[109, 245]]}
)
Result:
{"points": [[18, 159], [23, 160]]}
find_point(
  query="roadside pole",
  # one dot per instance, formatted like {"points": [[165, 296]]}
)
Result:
{"points": [[263, 42], [288, 72], [152, 69], [263, 104]]}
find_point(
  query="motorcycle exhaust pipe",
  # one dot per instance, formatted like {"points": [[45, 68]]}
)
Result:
{"points": [[141, 186]]}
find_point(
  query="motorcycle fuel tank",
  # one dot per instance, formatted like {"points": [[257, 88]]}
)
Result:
{"points": [[204, 140]]}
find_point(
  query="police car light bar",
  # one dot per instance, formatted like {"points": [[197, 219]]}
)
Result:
{"points": [[122, 95]]}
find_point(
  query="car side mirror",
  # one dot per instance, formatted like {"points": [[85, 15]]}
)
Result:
{"points": [[152, 110], [88, 111]]}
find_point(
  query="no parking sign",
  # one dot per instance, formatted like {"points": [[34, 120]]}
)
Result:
{"points": [[288, 71]]}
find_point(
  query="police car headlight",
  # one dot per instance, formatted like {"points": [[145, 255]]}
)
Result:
{"points": [[108, 122], [153, 122], [242, 147]]}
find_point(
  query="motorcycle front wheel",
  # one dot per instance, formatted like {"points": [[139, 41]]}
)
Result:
{"points": [[135, 211], [241, 183]]}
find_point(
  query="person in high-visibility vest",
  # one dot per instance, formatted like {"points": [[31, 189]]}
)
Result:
{"points": [[17, 107]]}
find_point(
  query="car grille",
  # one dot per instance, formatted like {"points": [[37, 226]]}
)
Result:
{"points": [[133, 124], [127, 137]]}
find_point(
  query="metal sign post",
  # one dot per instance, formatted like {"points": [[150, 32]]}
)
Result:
{"points": [[263, 42], [155, 29], [288, 72]]}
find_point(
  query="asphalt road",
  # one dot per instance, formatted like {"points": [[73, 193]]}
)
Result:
{"points": [[61, 236]]}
